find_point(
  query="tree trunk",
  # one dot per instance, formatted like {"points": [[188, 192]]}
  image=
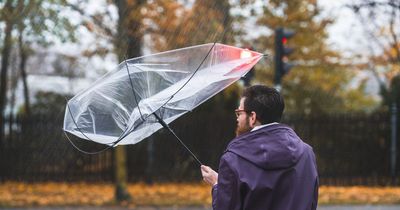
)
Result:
{"points": [[223, 6], [24, 57], [4, 67], [13, 86], [121, 193], [127, 44]]}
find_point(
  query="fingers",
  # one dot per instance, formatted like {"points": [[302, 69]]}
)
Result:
{"points": [[205, 170], [209, 175]]}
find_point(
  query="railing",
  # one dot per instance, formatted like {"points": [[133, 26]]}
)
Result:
{"points": [[351, 149]]}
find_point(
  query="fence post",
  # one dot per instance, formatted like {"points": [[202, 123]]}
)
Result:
{"points": [[393, 142], [150, 160]]}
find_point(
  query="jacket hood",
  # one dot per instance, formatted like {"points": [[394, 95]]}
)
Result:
{"points": [[272, 147]]}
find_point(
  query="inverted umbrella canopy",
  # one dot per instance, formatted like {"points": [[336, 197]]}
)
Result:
{"points": [[126, 105]]}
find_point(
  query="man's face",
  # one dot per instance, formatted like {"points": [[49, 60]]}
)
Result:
{"points": [[243, 120]]}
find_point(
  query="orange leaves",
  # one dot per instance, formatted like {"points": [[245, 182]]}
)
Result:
{"points": [[359, 195], [100, 194], [171, 194], [54, 194]]}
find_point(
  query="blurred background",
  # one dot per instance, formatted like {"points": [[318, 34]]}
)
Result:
{"points": [[337, 64]]}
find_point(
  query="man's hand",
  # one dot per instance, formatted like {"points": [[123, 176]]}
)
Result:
{"points": [[209, 175]]}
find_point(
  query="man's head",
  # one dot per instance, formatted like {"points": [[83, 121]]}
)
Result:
{"points": [[259, 105]]}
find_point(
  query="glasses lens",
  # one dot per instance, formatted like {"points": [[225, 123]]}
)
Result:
{"points": [[238, 111]]}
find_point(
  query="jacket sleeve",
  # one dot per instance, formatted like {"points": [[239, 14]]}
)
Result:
{"points": [[316, 186], [315, 200], [226, 194]]}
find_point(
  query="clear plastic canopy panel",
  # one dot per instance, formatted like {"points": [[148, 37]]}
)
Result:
{"points": [[120, 108]]}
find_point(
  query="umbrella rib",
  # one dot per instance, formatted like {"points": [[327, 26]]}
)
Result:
{"points": [[75, 146], [163, 123], [122, 136], [191, 76], [83, 151], [134, 95], [126, 134], [133, 90], [198, 67]]}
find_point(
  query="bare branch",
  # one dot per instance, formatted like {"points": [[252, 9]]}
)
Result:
{"points": [[371, 4], [95, 19], [392, 40], [395, 43], [21, 10]]}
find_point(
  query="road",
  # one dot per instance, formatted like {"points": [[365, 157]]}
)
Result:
{"points": [[394, 207]]}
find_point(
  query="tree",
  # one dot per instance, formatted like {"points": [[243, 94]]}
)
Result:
{"points": [[49, 104], [31, 19], [30, 35], [23, 52], [169, 24], [203, 22], [380, 20], [174, 25], [10, 14], [127, 42], [318, 82]]}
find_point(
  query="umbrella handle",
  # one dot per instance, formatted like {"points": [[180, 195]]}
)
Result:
{"points": [[165, 125]]}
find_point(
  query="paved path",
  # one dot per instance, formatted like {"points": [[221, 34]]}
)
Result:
{"points": [[397, 207]]}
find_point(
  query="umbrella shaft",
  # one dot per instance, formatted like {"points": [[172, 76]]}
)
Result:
{"points": [[165, 125]]}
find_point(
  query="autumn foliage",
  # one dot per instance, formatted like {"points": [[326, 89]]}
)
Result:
{"points": [[73, 194], [18, 194]]}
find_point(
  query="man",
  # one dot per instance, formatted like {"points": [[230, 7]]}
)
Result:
{"points": [[267, 166]]}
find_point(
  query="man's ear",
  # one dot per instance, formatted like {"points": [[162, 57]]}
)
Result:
{"points": [[253, 119]]}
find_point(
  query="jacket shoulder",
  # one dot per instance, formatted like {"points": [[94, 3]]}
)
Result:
{"points": [[228, 157]]}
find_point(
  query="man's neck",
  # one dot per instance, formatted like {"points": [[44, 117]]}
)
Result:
{"points": [[262, 126]]}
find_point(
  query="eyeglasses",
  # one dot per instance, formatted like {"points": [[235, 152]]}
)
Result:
{"points": [[238, 111]]}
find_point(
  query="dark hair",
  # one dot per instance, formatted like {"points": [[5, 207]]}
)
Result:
{"points": [[265, 101]]}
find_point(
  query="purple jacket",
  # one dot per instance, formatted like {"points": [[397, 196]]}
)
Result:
{"points": [[267, 169]]}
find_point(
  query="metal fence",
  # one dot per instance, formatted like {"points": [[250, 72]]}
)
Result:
{"points": [[351, 149]]}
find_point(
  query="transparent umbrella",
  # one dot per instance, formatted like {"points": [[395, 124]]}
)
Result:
{"points": [[147, 93]]}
